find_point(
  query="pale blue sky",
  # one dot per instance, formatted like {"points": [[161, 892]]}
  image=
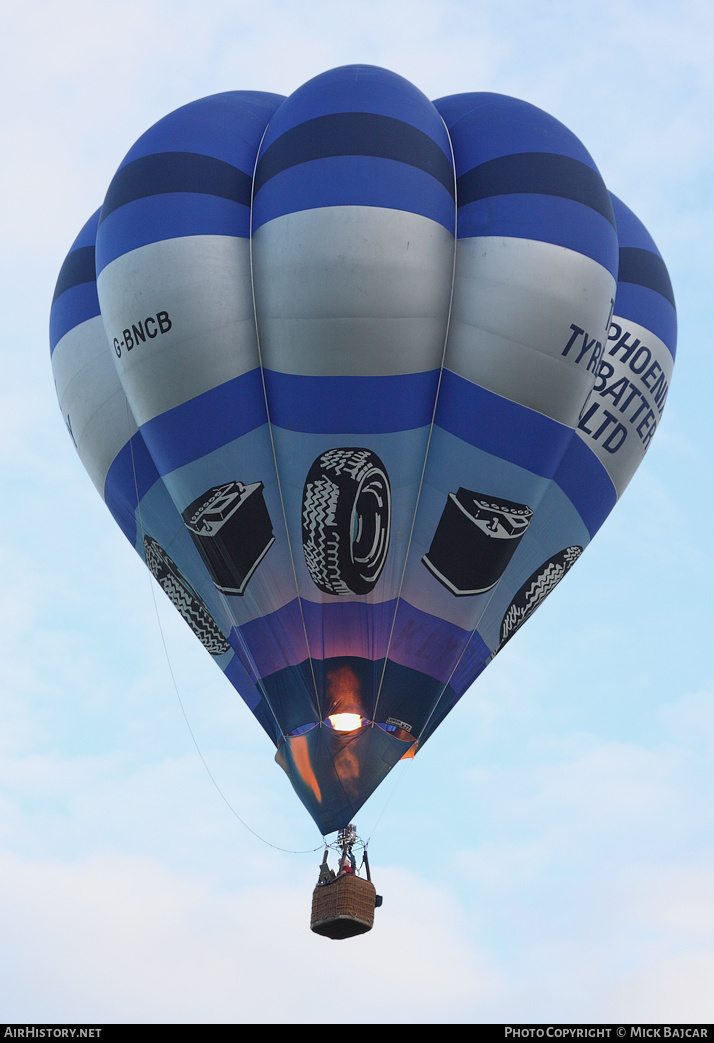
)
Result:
{"points": [[549, 855]]}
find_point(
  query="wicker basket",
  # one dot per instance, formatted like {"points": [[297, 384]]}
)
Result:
{"points": [[343, 907]]}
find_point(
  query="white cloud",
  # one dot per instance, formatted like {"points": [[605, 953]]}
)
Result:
{"points": [[116, 938]]}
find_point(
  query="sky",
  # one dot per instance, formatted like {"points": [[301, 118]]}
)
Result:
{"points": [[549, 856]]}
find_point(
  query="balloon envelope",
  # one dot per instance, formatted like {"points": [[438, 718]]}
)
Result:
{"points": [[357, 375]]}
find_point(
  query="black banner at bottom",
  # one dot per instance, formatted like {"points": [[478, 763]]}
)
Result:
{"points": [[509, 1032]]}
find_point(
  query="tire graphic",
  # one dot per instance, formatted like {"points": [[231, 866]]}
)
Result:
{"points": [[535, 590], [346, 509], [190, 605]]}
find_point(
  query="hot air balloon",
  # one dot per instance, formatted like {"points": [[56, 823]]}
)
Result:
{"points": [[359, 376]]}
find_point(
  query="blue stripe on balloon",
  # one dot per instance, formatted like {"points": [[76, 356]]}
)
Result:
{"points": [[630, 230], [586, 483], [337, 629], [71, 309], [644, 289], [354, 181], [355, 134], [131, 471], [500, 427], [644, 268], [649, 309], [363, 89], [426, 642], [361, 405], [530, 440], [77, 268], [170, 216], [168, 172], [331, 629], [536, 173], [485, 126], [548, 219], [475, 659], [228, 126], [239, 672], [206, 423], [275, 640]]}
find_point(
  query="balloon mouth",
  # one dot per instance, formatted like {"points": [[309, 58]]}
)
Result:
{"points": [[346, 722]]}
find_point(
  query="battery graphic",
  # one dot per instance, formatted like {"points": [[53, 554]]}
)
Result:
{"points": [[232, 530], [475, 539]]}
